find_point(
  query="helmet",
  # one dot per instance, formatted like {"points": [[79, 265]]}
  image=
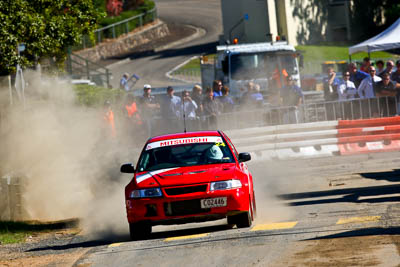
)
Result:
{"points": [[214, 152]]}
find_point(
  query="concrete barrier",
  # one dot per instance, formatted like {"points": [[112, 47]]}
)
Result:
{"points": [[319, 139]]}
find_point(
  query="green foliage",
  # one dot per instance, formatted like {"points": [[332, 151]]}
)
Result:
{"points": [[16, 232], [93, 96], [46, 27]]}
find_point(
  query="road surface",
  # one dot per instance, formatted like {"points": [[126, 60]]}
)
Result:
{"points": [[340, 211], [152, 67]]}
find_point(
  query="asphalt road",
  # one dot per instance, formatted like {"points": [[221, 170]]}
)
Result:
{"points": [[340, 211], [151, 67]]}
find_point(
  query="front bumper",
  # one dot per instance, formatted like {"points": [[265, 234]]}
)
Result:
{"points": [[186, 208]]}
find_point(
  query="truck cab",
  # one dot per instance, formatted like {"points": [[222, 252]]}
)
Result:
{"points": [[266, 64]]}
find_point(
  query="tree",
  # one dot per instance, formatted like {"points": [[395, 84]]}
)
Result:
{"points": [[46, 27]]}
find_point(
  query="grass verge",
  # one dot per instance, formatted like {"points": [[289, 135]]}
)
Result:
{"points": [[17, 232]]}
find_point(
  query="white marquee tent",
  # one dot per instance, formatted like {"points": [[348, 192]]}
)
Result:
{"points": [[386, 40]]}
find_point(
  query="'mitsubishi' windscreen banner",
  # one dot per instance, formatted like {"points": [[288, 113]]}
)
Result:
{"points": [[184, 141]]}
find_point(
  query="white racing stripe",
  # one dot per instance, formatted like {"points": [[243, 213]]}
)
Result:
{"points": [[142, 177]]}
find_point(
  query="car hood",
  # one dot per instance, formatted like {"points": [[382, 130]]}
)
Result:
{"points": [[187, 175]]}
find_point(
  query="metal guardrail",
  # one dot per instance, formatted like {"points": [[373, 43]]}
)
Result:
{"points": [[249, 116], [79, 67], [117, 29]]}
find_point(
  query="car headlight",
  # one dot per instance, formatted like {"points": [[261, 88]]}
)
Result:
{"points": [[223, 185], [149, 192]]}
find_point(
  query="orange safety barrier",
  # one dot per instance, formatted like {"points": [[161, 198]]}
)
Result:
{"points": [[368, 135], [369, 122], [365, 131]]}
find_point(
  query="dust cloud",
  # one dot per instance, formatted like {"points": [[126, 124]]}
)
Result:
{"points": [[269, 181], [71, 167]]}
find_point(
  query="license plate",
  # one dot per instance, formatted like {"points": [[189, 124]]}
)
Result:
{"points": [[213, 202]]}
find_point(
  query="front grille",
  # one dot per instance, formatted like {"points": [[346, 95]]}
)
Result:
{"points": [[185, 190], [186, 207]]}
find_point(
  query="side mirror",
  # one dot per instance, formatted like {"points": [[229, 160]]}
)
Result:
{"points": [[127, 168], [244, 157]]}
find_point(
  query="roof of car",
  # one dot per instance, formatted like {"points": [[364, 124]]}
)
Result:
{"points": [[183, 135]]}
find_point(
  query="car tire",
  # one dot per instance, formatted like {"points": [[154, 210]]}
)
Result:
{"points": [[242, 220], [139, 230]]}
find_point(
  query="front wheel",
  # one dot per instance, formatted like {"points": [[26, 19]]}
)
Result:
{"points": [[242, 220], [139, 230]]}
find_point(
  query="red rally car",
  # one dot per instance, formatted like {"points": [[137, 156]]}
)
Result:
{"points": [[189, 177]]}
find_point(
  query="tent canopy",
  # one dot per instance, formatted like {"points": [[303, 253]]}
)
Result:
{"points": [[387, 40]]}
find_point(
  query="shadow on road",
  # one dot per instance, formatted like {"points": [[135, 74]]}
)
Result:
{"points": [[361, 232], [186, 51], [83, 242], [391, 176], [371, 194]]}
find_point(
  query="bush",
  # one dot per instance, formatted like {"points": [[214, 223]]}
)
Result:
{"points": [[94, 96]]}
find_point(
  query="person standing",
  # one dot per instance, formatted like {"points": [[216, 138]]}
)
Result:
{"points": [[170, 107], [356, 76], [346, 91], [387, 91], [226, 101], [366, 88], [396, 75], [330, 83], [380, 67], [197, 96], [389, 68], [123, 83], [211, 109], [292, 98], [187, 111], [217, 87], [148, 108]]}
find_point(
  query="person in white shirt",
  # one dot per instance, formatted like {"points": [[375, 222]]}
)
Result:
{"points": [[346, 88], [366, 88], [188, 106]]}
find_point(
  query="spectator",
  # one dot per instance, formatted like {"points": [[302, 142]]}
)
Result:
{"points": [[256, 95], [188, 106], [396, 75], [389, 68], [291, 93], [217, 87], [366, 88], [330, 83], [356, 76], [387, 91], [109, 118], [170, 105], [148, 108], [197, 96], [226, 101], [253, 97], [346, 91], [292, 97], [123, 83], [379, 67], [346, 88], [211, 109], [365, 65], [131, 111], [132, 124]]}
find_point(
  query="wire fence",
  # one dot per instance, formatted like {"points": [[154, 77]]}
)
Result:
{"points": [[117, 29], [267, 115]]}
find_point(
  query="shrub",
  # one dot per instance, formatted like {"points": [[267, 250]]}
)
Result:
{"points": [[93, 96]]}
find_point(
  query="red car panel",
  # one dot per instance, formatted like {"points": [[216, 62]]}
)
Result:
{"points": [[179, 172]]}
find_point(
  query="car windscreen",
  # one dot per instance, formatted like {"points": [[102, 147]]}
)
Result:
{"points": [[184, 155], [261, 65]]}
